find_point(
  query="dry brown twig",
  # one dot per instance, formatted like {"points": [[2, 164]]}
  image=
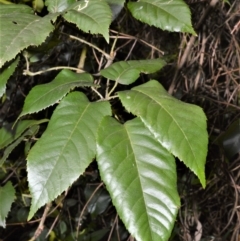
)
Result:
{"points": [[236, 27], [41, 224], [189, 45]]}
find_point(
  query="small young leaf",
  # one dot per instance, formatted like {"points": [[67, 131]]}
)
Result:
{"points": [[26, 29], [38, 5], [126, 72], [178, 126], [45, 95], [7, 196], [31, 131], [140, 175], [5, 75], [172, 15], [8, 135], [65, 149], [92, 16]]}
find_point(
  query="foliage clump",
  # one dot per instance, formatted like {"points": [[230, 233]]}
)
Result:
{"points": [[97, 127]]}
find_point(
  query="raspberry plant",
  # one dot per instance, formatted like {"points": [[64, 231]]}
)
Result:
{"points": [[135, 158]]}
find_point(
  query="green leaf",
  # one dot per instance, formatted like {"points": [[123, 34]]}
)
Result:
{"points": [[30, 132], [140, 175], [15, 8], [38, 5], [55, 6], [45, 95], [117, 2], [167, 15], [126, 72], [5, 75], [92, 16], [9, 134], [26, 29], [178, 126], [7, 196], [65, 149]]}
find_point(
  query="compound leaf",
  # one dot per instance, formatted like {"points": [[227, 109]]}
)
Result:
{"points": [[45, 95], [7, 196], [65, 149], [140, 175], [178, 126], [172, 15], [92, 16], [126, 72]]}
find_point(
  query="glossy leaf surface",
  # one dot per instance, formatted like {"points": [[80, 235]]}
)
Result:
{"points": [[55, 6], [167, 15], [5, 75], [65, 149], [45, 95], [26, 29], [178, 126], [140, 175], [7, 196], [126, 72], [92, 16]]}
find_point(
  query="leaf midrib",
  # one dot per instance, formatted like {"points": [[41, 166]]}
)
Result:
{"points": [[156, 101], [71, 85], [63, 148]]}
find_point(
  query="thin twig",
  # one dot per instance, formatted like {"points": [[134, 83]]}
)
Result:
{"points": [[91, 45], [82, 59], [110, 234], [28, 72], [41, 224], [111, 91], [99, 94], [84, 208], [189, 46]]}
